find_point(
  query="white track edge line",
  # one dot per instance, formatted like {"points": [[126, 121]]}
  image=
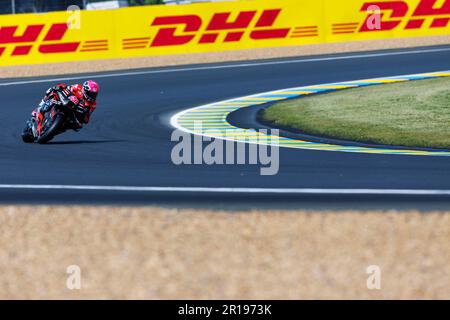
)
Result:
{"points": [[237, 65], [233, 190]]}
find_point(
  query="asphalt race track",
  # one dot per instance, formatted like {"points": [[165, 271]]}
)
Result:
{"points": [[128, 142]]}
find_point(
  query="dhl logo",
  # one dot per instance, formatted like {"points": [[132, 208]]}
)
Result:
{"points": [[24, 42], [172, 30], [182, 29], [393, 13], [51, 42]]}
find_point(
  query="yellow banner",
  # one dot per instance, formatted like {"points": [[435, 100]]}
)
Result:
{"points": [[207, 27]]}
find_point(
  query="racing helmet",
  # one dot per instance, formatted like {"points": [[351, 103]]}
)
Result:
{"points": [[90, 90]]}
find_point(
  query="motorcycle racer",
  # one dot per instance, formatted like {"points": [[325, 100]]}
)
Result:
{"points": [[80, 98]]}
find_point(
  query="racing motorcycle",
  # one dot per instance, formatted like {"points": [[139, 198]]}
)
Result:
{"points": [[54, 118]]}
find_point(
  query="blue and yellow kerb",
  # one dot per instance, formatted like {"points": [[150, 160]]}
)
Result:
{"points": [[211, 120]]}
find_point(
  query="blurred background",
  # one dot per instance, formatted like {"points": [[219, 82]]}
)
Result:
{"points": [[27, 6]]}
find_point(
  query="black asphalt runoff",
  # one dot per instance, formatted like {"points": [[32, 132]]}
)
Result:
{"points": [[128, 141]]}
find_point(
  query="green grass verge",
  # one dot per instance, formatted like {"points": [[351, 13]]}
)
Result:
{"points": [[414, 114]]}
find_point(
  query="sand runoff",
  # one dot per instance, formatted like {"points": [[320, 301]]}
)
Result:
{"points": [[153, 253], [239, 55]]}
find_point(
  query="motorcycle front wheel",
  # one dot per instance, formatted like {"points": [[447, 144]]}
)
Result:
{"points": [[27, 134]]}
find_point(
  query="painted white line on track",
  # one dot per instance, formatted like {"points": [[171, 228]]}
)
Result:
{"points": [[408, 192], [228, 66]]}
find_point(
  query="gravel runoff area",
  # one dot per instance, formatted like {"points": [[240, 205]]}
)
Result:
{"points": [[412, 114], [152, 253], [182, 59]]}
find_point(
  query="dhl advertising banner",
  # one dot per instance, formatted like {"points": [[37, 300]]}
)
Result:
{"points": [[207, 27]]}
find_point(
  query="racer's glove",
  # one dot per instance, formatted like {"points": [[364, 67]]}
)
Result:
{"points": [[56, 88], [52, 90]]}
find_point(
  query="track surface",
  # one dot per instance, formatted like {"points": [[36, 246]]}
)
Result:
{"points": [[128, 141]]}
